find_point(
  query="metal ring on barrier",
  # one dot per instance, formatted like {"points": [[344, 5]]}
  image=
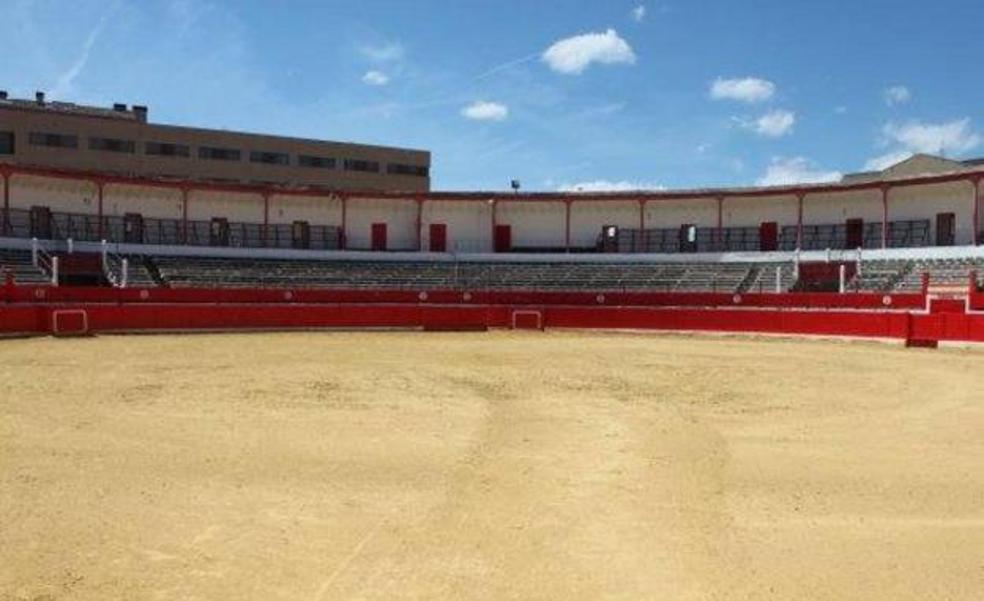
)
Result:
{"points": [[144, 294], [886, 300], [288, 295], [601, 299], [422, 296], [736, 299], [466, 296], [39, 293]]}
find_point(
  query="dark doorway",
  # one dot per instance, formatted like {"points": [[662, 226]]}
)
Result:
{"points": [[946, 224], [438, 237], [769, 236], [379, 236], [854, 237], [503, 238], [218, 233]]}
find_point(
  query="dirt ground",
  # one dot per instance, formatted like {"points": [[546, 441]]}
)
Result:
{"points": [[488, 466]]}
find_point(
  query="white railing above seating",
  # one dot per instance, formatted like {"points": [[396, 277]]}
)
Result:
{"points": [[115, 267], [46, 262]]}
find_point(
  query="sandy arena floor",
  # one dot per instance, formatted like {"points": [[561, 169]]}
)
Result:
{"points": [[488, 466]]}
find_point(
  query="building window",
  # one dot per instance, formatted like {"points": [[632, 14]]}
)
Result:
{"points": [[37, 138], [166, 149], [398, 169], [361, 165], [219, 154], [6, 142], [307, 160], [112, 145], [270, 158]]}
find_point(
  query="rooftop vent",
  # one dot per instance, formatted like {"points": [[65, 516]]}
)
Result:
{"points": [[119, 107], [3, 94], [39, 97], [141, 112]]}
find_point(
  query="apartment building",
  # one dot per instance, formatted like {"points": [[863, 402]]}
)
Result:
{"points": [[120, 140]]}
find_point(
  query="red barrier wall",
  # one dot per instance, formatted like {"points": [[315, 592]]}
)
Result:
{"points": [[47, 294], [29, 310]]}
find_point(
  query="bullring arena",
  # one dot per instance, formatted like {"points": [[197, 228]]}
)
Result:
{"points": [[367, 393], [551, 465]]}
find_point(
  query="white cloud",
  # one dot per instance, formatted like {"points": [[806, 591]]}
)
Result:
{"points": [[375, 78], [485, 111], [886, 160], [840, 110], [774, 124], [747, 89], [639, 13], [66, 79], [604, 185], [383, 53], [952, 137], [796, 170], [574, 54], [897, 95]]}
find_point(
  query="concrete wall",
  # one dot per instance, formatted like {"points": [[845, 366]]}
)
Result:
{"points": [[671, 214], [237, 207], [752, 212], [154, 203], [925, 202], [587, 219], [60, 195], [534, 224], [838, 207], [469, 224], [316, 210], [400, 217]]}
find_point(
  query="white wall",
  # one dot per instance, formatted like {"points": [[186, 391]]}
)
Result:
{"points": [[588, 217], [752, 212], [469, 224], [838, 207], [400, 217], [316, 210], [924, 202], [237, 207], [671, 214], [151, 202], [534, 223], [60, 195]]}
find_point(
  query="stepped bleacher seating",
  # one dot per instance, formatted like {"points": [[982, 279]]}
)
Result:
{"points": [[763, 278], [950, 273], [880, 276], [678, 277], [907, 275], [19, 263]]}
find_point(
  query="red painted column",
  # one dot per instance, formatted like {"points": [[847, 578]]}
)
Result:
{"points": [[99, 190], [567, 225], [799, 219], [5, 226], [420, 223], [977, 209], [884, 193], [343, 242], [266, 218], [720, 225], [184, 214]]}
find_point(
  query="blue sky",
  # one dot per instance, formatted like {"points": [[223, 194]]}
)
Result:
{"points": [[558, 94]]}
